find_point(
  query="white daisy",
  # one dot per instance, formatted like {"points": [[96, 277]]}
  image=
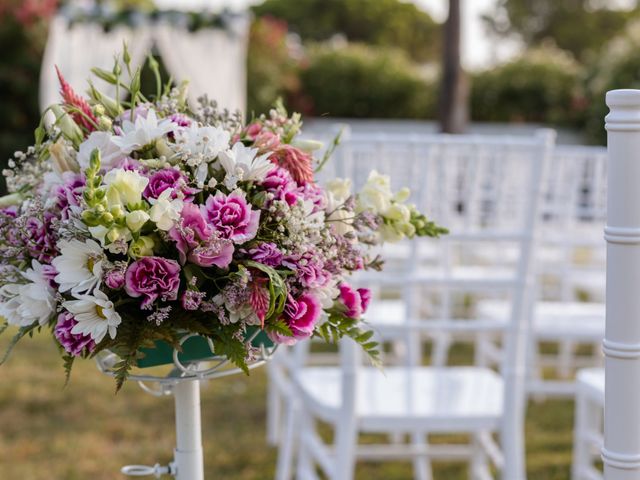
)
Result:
{"points": [[242, 162], [79, 265], [165, 211], [144, 131], [24, 304], [95, 314]]}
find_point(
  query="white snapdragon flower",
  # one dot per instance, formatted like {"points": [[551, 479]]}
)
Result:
{"points": [[79, 265], [110, 153], [376, 194], [339, 188], [165, 211], [24, 304], [143, 131], [136, 219], [124, 187], [95, 314], [244, 163]]}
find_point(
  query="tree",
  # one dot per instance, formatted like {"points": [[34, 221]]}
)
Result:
{"points": [[379, 22], [579, 26], [453, 111]]}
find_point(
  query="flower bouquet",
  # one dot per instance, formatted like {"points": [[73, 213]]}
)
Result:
{"points": [[130, 224]]}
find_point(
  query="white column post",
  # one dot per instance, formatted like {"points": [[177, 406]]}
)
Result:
{"points": [[621, 346], [188, 453]]}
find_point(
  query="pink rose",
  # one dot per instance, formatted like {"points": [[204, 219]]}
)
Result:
{"points": [[153, 277], [231, 216], [301, 315], [353, 300]]}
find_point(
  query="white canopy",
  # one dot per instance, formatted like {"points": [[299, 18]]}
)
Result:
{"points": [[213, 59]]}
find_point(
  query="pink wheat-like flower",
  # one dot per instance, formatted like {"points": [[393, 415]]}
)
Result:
{"points": [[259, 300], [70, 97], [296, 161]]}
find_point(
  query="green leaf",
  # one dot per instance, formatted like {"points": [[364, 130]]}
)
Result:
{"points": [[279, 327], [234, 349], [3, 327], [68, 365], [16, 338]]}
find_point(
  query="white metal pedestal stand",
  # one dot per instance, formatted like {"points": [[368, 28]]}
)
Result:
{"points": [[184, 384]]}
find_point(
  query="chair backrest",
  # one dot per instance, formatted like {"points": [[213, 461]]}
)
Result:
{"points": [[572, 254], [486, 190]]}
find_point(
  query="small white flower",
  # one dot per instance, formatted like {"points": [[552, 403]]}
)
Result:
{"points": [[95, 314], [79, 265], [243, 159], [201, 144], [144, 131], [165, 211], [339, 188], [110, 152], [24, 304]]}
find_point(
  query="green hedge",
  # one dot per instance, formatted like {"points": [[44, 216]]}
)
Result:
{"points": [[540, 86], [389, 23], [360, 81]]}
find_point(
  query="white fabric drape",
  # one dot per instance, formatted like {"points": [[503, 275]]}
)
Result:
{"points": [[77, 48], [212, 59]]}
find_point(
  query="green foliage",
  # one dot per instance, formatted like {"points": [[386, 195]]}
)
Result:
{"points": [[338, 326], [20, 59], [540, 86], [272, 72], [361, 81], [22, 332], [579, 26], [619, 68], [389, 23]]}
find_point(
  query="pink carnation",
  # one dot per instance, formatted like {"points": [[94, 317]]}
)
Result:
{"points": [[153, 277], [231, 216], [301, 315], [75, 344], [355, 301]]}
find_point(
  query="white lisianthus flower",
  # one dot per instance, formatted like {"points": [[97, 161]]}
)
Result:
{"points": [[79, 265], [327, 294], [342, 221], [11, 199], [243, 162], [165, 211], [144, 131], [376, 194], [136, 219], [339, 188], [95, 314], [110, 153], [24, 304], [124, 187]]}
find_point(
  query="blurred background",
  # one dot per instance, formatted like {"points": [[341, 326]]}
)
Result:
{"points": [[421, 66], [524, 62]]}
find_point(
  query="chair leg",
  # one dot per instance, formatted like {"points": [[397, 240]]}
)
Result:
{"points": [[580, 446], [565, 358], [304, 468], [442, 343], [345, 444], [479, 464], [287, 447], [274, 413], [421, 465]]}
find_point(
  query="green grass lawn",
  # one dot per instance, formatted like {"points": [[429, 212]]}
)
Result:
{"points": [[85, 431]]}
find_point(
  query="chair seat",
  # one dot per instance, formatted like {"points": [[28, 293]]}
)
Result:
{"points": [[451, 399], [552, 320], [590, 381]]}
